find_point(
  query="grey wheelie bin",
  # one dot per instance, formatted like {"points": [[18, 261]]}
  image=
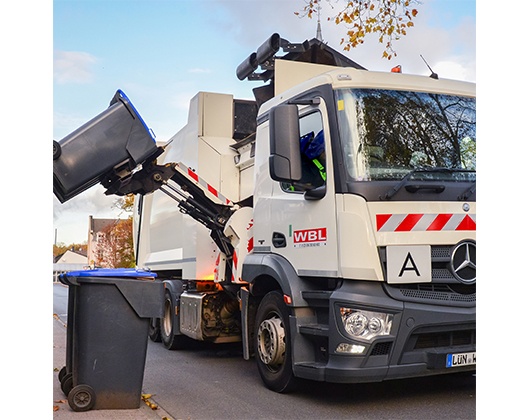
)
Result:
{"points": [[109, 312], [106, 149]]}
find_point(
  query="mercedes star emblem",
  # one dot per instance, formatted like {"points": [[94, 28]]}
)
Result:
{"points": [[464, 262]]}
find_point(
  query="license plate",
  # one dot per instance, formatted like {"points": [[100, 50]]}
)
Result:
{"points": [[461, 359]]}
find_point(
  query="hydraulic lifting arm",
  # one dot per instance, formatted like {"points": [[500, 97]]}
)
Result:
{"points": [[194, 197]]}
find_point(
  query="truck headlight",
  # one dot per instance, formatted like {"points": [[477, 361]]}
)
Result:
{"points": [[365, 325]]}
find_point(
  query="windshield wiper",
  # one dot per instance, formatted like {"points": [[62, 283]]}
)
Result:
{"points": [[393, 191], [467, 193]]}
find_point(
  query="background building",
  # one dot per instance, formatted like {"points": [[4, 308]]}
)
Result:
{"points": [[97, 229], [70, 260]]}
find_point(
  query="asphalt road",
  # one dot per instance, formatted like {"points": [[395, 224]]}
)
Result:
{"points": [[215, 382]]}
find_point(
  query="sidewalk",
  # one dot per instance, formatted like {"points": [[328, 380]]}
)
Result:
{"points": [[61, 409]]}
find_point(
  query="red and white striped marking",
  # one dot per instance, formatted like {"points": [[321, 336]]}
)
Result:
{"points": [[419, 222], [216, 269], [202, 183], [234, 266], [250, 235]]}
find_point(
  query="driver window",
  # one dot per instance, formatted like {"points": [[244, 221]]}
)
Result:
{"points": [[313, 154]]}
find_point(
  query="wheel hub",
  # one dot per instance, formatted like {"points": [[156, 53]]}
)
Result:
{"points": [[167, 320], [82, 399], [271, 342]]}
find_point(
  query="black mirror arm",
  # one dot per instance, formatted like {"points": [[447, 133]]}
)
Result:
{"points": [[317, 193]]}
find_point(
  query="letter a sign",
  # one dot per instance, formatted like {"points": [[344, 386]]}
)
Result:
{"points": [[408, 264]]}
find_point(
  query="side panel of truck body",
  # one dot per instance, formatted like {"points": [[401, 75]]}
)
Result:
{"points": [[168, 239]]}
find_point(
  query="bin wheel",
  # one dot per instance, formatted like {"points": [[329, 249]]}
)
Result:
{"points": [[81, 398], [67, 383], [62, 373], [56, 150]]}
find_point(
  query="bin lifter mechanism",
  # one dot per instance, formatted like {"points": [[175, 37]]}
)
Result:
{"points": [[194, 199]]}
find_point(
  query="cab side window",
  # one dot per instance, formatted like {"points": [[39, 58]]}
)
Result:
{"points": [[313, 154]]}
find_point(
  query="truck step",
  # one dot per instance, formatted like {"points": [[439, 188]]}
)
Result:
{"points": [[317, 298], [310, 365], [319, 330], [310, 370]]}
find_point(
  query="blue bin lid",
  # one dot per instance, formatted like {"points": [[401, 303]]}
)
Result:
{"points": [[124, 97], [111, 272]]}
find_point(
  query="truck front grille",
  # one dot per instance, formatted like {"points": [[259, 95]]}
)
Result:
{"points": [[440, 257], [443, 339], [439, 292], [444, 289], [381, 349]]}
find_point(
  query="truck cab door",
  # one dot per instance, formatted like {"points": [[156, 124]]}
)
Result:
{"points": [[302, 216]]}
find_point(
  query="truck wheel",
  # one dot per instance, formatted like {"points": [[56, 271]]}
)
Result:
{"points": [[81, 398], [169, 332], [272, 342], [154, 330]]}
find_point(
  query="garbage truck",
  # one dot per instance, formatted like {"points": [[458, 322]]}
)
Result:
{"points": [[328, 225]]}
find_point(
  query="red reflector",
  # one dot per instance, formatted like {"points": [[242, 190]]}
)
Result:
{"points": [[287, 299], [396, 69]]}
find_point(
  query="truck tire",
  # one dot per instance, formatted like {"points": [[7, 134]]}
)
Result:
{"points": [[154, 330], [272, 344], [169, 331]]}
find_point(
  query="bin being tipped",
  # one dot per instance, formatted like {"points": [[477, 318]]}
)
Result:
{"points": [[106, 149]]}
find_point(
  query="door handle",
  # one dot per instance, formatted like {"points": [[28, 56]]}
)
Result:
{"points": [[278, 240]]}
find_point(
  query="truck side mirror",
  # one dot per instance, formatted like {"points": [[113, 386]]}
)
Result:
{"points": [[285, 161]]}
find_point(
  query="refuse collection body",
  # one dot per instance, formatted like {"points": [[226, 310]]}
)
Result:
{"points": [[108, 321]]}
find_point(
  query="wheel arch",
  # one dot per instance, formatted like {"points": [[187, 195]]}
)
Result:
{"points": [[267, 272], [175, 287]]}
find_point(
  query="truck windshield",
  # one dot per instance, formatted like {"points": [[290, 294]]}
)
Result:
{"points": [[389, 135]]}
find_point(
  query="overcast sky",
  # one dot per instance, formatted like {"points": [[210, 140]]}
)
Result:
{"points": [[161, 53]]}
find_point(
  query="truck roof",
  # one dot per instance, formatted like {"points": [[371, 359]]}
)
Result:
{"points": [[293, 78], [312, 63]]}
